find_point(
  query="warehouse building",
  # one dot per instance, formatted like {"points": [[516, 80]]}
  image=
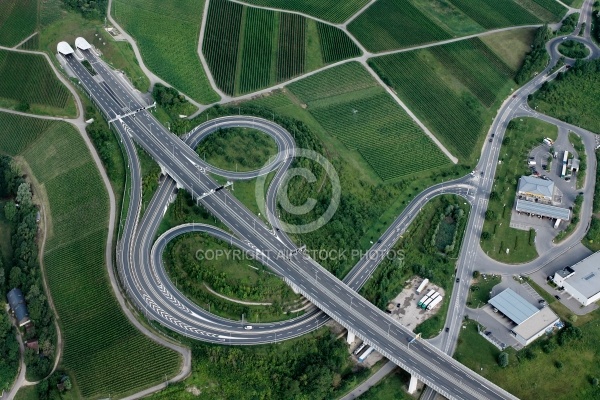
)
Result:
{"points": [[531, 322], [582, 280]]}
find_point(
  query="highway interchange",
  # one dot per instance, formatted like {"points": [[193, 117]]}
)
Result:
{"points": [[144, 278]]}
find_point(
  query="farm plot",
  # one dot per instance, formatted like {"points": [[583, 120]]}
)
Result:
{"points": [[18, 19], [221, 41], [492, 73], [546, 10], [29, 83], [248, 49], [496, 13], [104, 354], [335, 44], [330, 10], [368, 120], [457, 84], [392, 24], [167, 34]]}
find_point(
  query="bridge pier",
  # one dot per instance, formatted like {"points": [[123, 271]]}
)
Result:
{"points": [[350, 337], [412, 386]]}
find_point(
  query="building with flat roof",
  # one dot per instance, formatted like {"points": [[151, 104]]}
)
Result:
{"points": [[531, 187], [16, 301], [540, 323], [544, 210], [582, 280], [531, 322]]}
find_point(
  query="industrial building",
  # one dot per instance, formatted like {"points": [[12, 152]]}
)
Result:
{"points": [[531, 322], [532, 188], [543, 210], [582, 280]]}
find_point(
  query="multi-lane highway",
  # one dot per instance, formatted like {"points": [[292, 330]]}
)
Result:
{"points": [[145, 280], [334, 297]]}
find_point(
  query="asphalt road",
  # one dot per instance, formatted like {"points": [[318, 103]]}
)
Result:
{"points": [[334, 297]]}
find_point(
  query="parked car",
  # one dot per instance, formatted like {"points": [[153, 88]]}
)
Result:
{"points": [[557, 297]]}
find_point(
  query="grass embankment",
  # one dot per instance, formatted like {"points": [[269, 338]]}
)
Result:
{"points": [[29, 84], [237, 149], [429, 249], [572, 97], [367, 205], [521, 136], [479, 292], [392, 387], [195, 260], [545, 358], [56, 25], [101, 348]]}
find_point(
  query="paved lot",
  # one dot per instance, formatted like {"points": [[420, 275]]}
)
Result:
{"points": [[408, 313]]}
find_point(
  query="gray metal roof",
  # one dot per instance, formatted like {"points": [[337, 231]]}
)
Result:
{"points": [[537, 186], [544, 210], [17, 304], [516, 308]]}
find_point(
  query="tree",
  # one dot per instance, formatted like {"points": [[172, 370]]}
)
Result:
{"points": [[494, 195], [475, 274], [67, 383], [558, 365], [10, 211], [24, 194], [14, 279], [485, 235], [503, 360], [490, 215], [595, 380]]}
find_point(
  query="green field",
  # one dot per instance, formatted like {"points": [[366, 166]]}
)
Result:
{"points": [[248, 49], [572, 97], [458, 85], [330, 10], [392, 387], [390, 24], [479, 292], [541, 359], [521, 136], [349, 104], [237, 278], [29, 84], [168, 34], [492, 14], [18, 19], [101, 348], [237, 149]]}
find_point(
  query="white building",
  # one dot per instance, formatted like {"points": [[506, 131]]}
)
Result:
{"points": [[530, 321], [582, 280], [532, 188]]}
